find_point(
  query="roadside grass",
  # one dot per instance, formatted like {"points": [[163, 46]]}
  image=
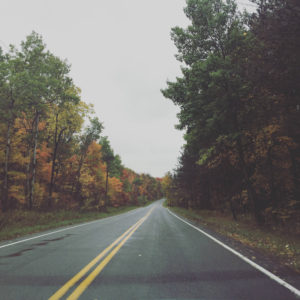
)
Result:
{"points": [[277, 242], [18, 223]]}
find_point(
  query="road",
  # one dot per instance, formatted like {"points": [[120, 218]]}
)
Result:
{"points": [[159, 257]]}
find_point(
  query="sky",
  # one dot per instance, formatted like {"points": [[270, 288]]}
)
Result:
{"points": [[121, 56]]}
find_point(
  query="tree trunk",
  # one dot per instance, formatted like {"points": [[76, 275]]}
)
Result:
{"points": [[106, 187], [250, 189], [77, 191], [209, 194], [27, 183], [232, 208], [36, 131], [53, 164], [52, 179], [56, 144], [77, 175], [273, 198], [5, 204], [245, 172], [295, 173]]}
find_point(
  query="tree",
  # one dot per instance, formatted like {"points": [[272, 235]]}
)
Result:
{"points": [[207, 93], [43, 141], [92, 179], [116, 167], [108, 158], [277, 28], [90, 135], [65, 120], [237, 97]]}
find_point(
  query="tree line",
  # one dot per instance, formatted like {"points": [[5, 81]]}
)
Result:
{"points": [[239, 106], [52, 152]]}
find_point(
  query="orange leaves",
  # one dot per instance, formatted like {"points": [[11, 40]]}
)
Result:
{"points": [[128, 175], [48, 154], [115, 191], [94, 157], [92, 177], [43, 153], [16, 192], [91, 185], [115, 184], [44, 162]]}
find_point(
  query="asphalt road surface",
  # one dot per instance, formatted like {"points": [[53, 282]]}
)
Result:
{"points": [[144, 254]]}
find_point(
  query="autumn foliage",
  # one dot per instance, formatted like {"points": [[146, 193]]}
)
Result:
{"points": [[239, 105], [52, 154]]}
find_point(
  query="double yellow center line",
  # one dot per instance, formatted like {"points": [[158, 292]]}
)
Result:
{"points": [[119, 242]]}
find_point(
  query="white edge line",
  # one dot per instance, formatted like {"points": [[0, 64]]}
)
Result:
{"points": [[68, 228], [49, 233], [247, 260]]}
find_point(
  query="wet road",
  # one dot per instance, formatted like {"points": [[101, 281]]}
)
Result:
{"points": [[143, 254]]}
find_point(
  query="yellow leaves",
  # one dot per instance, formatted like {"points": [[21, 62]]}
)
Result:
{"points": [[16, 191], [43, 153], [42, 125], [288, 141], [263, 140], [293, 203], [115, 190], [115, 184], [68, 117], [268, 209], [92, 177], [16, 176], [40, 194], [271, 129]]}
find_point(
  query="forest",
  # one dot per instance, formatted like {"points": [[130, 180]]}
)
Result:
{"points": [[239, 102], [53, 154]]}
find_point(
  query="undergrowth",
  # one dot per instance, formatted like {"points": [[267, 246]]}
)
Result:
{"points": [[18, 223]]}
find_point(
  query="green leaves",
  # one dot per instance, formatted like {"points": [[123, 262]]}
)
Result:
{"points": [[239, 79], [205, 155], [211, 22], [107, 151], [43, 140]]}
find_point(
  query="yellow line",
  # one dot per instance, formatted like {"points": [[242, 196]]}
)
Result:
{"points": [[84, 284], [81, 273]]}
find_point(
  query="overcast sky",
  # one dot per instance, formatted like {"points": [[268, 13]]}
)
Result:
{"points": [[121, 56]]}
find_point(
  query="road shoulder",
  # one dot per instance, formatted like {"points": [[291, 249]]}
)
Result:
{"points": [[267, 261]]}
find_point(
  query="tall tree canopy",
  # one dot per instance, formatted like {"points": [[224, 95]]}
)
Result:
{"points": [[51, 150], [238, 99]]}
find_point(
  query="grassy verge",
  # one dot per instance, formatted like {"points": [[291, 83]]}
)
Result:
{"points": [[283, 246], [19, 222]]}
